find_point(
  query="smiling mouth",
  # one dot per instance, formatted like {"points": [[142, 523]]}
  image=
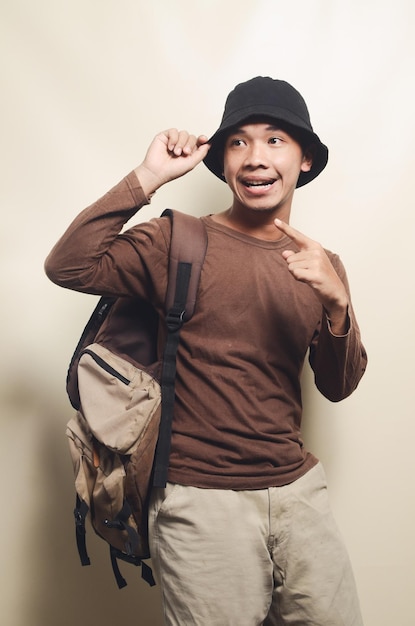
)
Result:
{"points": [[258, 184]]}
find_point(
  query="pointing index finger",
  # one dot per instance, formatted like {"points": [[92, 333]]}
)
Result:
{"points": [[301, 240]]}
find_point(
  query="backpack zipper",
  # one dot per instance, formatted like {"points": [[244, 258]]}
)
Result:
{"points": [[105, 366]]}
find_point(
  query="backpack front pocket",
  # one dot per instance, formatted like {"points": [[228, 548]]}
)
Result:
{"points": [[118, 400]]}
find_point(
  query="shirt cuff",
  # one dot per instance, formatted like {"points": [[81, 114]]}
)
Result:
{"points": [[136, 189], [348, 326]]}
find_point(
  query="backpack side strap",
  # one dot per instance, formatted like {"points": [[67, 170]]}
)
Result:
{"points": [[188, 245], [187, 252]]}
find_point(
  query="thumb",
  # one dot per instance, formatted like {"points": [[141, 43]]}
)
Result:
{"points": [[201, 151]]}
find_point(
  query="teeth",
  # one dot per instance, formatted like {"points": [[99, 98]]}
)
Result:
{"points": [[257, 184]]}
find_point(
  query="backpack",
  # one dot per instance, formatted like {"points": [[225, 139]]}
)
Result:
{"points": [[119, 437]]}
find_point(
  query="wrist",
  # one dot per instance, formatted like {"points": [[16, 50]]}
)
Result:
{"points": [[149, 182], [338, 318]]}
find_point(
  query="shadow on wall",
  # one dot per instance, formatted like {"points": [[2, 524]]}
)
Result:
{"points": [[44, 583], [50, 586], [319, 433]]}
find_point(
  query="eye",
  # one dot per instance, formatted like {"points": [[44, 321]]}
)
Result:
{"points": [[275, 141], [236, 141]]}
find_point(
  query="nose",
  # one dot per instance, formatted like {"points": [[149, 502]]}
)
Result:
{"points": [[256, 156]]}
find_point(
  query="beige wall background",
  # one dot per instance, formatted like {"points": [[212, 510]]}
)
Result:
{"points": [[86, 84]]}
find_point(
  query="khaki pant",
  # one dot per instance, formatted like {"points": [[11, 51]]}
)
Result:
{"points": [[246, 558]]}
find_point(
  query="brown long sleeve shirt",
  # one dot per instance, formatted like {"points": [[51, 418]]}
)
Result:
{"points": [[237, 421]]}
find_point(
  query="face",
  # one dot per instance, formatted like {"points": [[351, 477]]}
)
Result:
{"points": [[261, 166]]}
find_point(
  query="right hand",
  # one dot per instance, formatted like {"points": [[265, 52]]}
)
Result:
{"points": [[171, 154]]}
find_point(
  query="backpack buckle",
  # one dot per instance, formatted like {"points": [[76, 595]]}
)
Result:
{"points": [[175, 319]]}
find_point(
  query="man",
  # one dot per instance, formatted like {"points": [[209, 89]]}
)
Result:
{"points": [[242, 535]]}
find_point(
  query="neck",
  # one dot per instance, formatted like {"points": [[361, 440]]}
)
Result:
{"points": [[253, 222]]}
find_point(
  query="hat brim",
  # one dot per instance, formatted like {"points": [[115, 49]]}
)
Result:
{"points": [[214, 158]]}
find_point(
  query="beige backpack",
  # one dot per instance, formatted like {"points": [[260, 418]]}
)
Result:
{"points": [[123, 394]]}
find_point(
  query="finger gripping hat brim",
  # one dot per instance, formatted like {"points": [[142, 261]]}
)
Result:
{"points": [[272, 99]]}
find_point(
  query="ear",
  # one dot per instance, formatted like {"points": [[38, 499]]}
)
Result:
{"points": [[307, 161]]}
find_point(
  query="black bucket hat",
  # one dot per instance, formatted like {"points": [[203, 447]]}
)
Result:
{"points": [[272, 99]]}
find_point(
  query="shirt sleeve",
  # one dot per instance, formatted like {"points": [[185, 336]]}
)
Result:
{"points": [[338, 361], [93, 256]]}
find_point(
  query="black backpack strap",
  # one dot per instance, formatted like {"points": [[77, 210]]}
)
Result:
{"points": [[80, 513], [187, 253], [94, 323], [146, 571]]}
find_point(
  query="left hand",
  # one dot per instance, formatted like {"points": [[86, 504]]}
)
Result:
{"points": [[312, 266]]}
